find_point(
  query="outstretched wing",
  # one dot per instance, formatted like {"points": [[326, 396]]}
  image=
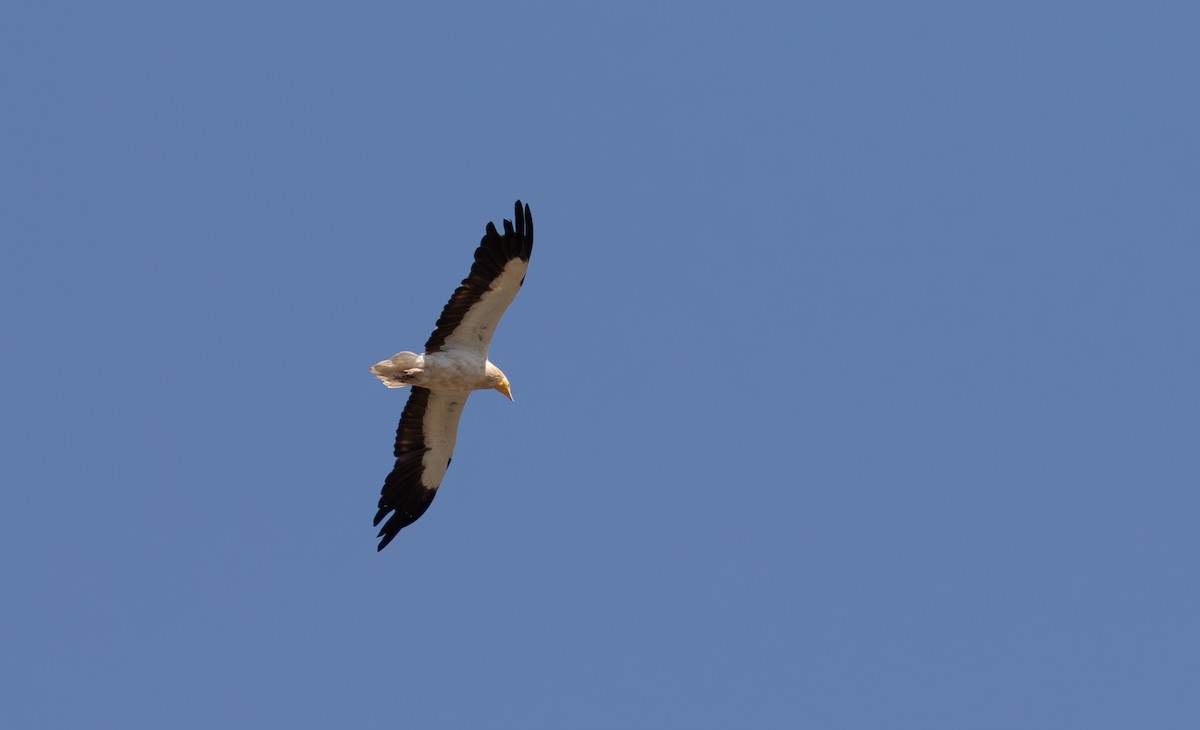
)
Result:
{"points": [[471, 315], [424, 445]]}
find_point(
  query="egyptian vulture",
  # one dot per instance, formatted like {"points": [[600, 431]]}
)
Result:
{"points": [[454, 364]]}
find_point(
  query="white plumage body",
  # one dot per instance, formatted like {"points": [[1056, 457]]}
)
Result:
{"points": [[451, 370]]}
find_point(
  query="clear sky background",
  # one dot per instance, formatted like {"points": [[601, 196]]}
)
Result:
{"points": [[855, 372]]}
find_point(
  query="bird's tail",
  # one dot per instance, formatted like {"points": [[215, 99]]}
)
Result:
{"points": [[391, 371]]}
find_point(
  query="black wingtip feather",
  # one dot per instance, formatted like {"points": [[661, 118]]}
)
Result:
{"points": [[404, 511]]}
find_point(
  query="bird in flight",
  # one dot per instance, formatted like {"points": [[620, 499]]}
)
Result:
{"points": [[454, 363]]}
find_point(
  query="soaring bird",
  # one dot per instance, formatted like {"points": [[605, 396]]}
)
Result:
{"points": [[455, 362]]}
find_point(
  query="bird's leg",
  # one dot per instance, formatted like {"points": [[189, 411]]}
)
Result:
{"points": [[410, 375]]}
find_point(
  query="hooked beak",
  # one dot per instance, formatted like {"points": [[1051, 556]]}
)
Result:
{"points": [[503, 388]]}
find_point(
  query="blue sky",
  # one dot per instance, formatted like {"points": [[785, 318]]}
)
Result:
{"points": [[855, 371]]}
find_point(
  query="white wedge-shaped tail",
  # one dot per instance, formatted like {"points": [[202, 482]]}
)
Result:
{"points": [[391, 371]]}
